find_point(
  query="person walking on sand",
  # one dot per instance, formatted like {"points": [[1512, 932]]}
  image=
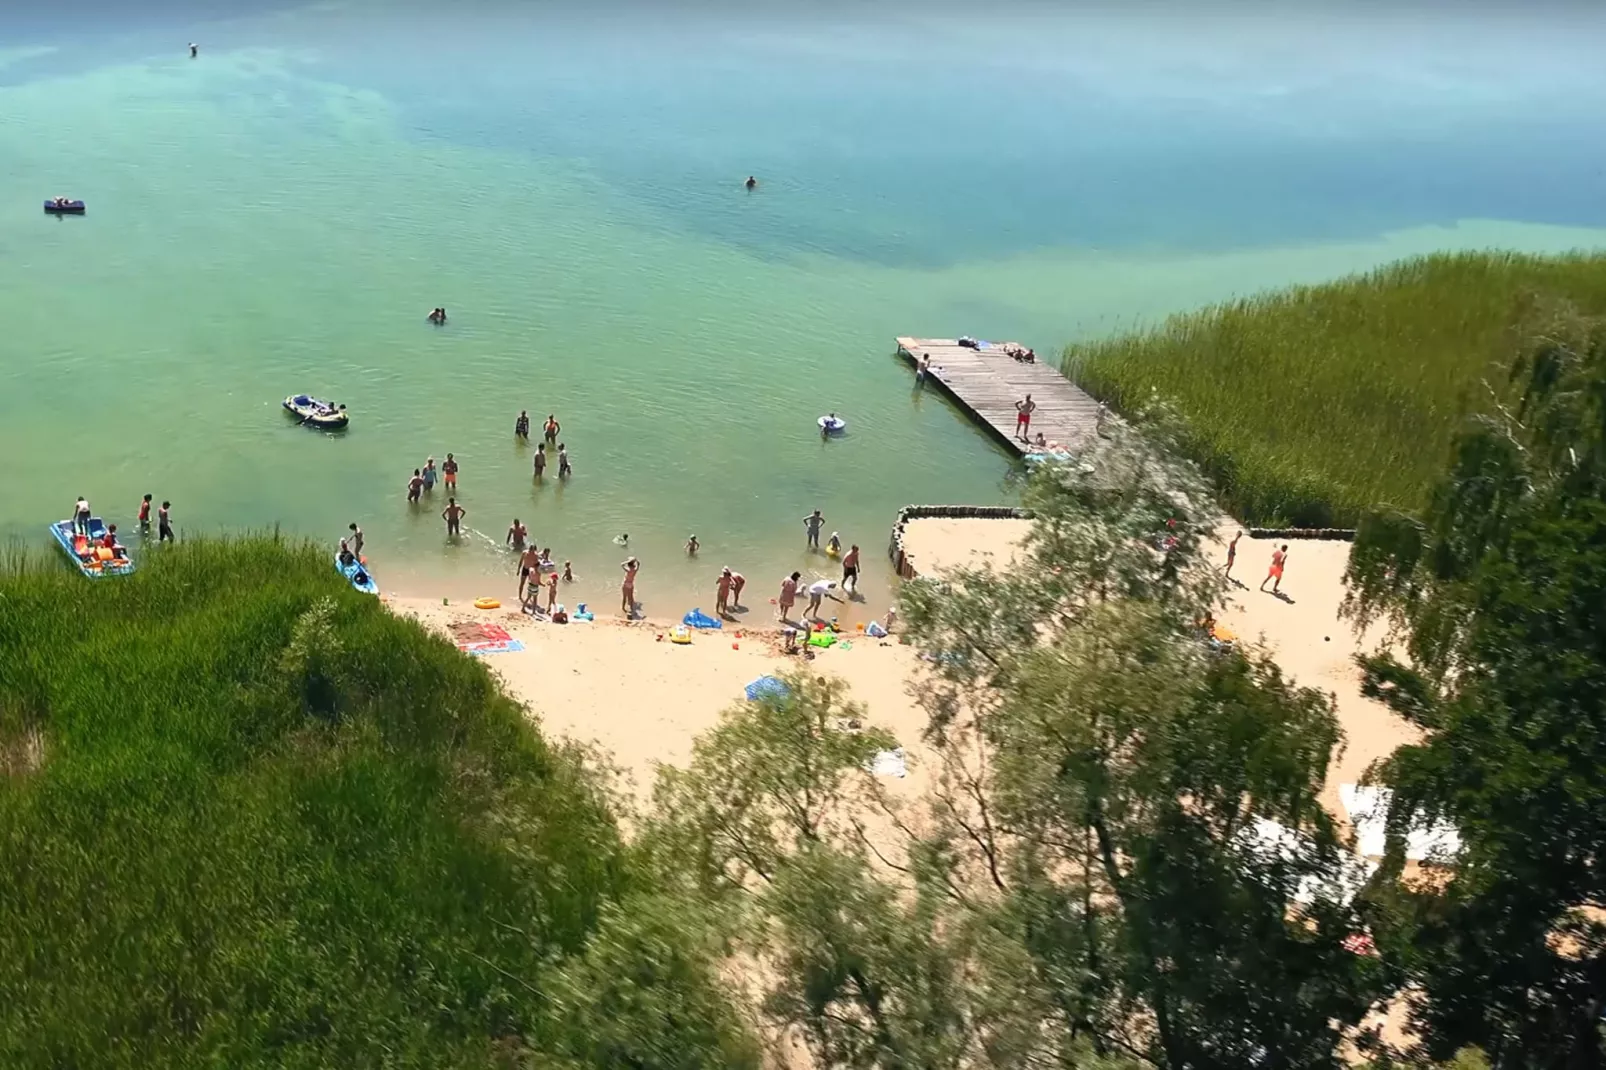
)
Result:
{"points": [[430, 474], [1279, 558], [453, 515], [540, 460], [627, 589], [850, 569], [722, 592], [449, 470], [355, 539], [564, 471], [812, 525], [516, 534], [1232, 555], [164, 523], [529, 565], [415, 486], [788, 594], [145, 515], [818, 590], [521, 426], [1023, 418], [738, 581], [551, 428]]}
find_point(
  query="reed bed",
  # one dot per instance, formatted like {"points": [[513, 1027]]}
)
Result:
{"points": [[1312, 405], [201, 868]]}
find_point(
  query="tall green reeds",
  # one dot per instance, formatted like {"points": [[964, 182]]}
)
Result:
{"points": [[207, 860], [1311, 405]]}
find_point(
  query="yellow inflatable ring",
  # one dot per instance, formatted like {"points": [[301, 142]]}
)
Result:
{"points": [[487, 603]]}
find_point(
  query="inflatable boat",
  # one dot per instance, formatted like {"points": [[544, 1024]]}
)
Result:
{"points": [[315, 412], [62, 206], [358, 575], [85, 551], [832, 425]]}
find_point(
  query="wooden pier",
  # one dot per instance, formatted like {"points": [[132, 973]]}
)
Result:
{"points": [[987, 382]]}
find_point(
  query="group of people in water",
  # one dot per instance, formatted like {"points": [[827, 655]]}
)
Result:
{"points": [[437, 316], [82, 518], [549, 432]]}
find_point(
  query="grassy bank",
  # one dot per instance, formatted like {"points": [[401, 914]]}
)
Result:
{"points": [[249, 818], [1311, 405]]}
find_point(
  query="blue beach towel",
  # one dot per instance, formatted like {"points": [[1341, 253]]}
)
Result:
{"points": [[767, 687], [698, 619]]}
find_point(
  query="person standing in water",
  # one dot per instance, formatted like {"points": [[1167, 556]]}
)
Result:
{"points": [[453, 514], [540, 460], [516, 534], [738, 581], [164, 523], [722, 592], [564, 470], [1279, 558], [354, 540], [812, 524], [521, 426], [195, 50], [415, 487], [429, 473], [551, 428], [1232, 555], [691, 546], [850, 570], [922, 368], [627, 589], [751, 183], [529, 566], [145, 515], [449, 470]]}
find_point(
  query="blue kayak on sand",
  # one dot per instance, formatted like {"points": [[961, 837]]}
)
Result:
{"points": [[358, 575], [85, 552]]}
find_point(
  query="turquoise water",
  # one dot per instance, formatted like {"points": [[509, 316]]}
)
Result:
{"points": [[279, 214]]}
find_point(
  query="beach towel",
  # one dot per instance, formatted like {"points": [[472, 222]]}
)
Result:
{"points": [[1367, 810], [889, 763], [767, 687], [875, 631], [473, 637], [698, 619]]}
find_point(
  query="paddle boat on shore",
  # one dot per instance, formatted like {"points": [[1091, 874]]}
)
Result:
{"points": [[315, 412], [88, 552], [357, 574], [64, 206]]}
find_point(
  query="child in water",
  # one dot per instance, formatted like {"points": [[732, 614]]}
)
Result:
{"points": [[833, 545]]}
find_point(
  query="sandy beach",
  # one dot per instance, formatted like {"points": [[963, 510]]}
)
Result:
{"points": [[644, 699]]}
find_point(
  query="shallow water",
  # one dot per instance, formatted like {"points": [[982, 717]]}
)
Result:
{"points": [[279, 214]]}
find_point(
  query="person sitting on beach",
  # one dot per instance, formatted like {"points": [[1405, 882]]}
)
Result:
{"points": [[347, 558], [1041, 440]]}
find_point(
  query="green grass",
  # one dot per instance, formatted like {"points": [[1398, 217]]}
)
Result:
{"points": [[204, 862], [1310, 406]]}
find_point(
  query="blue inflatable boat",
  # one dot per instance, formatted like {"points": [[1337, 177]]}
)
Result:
{"points": [[62, 206], [357, 575], [86, 552]]}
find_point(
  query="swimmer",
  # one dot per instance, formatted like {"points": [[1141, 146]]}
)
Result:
{"points": [[751, 183], [621, 540], [691, 546], [516, 534]]}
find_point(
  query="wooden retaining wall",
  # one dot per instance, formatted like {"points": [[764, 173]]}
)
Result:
{"points": [[902, 562]]}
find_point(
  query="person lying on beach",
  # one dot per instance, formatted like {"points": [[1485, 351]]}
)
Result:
{"points": [[529, 565]]}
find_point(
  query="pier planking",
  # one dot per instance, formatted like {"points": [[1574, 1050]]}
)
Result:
{"points": [[987, 382]]}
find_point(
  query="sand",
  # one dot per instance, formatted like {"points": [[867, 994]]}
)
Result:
{"points": [[938, 543]]}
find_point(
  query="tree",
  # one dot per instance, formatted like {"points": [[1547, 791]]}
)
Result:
{"points": [[1499, 591], [1146, 802]]}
